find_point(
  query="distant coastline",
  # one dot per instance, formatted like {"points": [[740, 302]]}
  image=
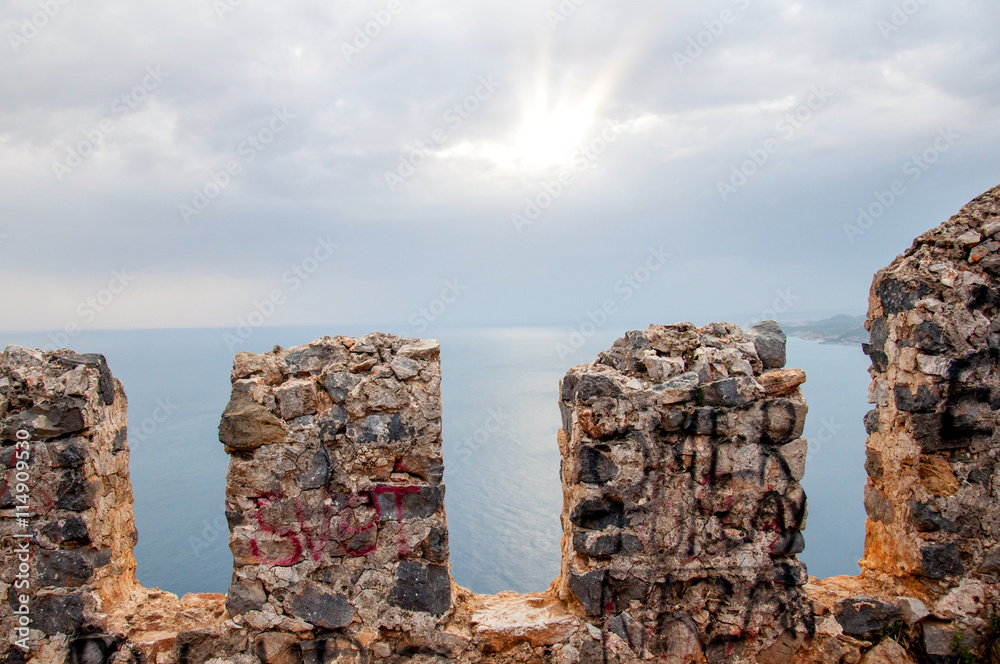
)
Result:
{"points": [[841, 330]]}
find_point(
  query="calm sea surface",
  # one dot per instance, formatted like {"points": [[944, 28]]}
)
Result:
{"points": [[503, 494]]}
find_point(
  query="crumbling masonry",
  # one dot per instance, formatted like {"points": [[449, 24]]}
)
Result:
{"points": [[683, 513]]}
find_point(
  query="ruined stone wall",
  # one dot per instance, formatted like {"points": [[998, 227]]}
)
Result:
{"points": [[334, 493], [683, 511], [66, 523], [932, 494]]}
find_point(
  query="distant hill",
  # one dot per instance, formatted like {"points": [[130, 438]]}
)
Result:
{"points": [[848, 330]]}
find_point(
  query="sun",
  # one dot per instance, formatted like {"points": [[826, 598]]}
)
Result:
{"points": [[550, 137]]}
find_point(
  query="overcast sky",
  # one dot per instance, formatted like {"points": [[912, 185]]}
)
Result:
{"points": [[503, 163]]}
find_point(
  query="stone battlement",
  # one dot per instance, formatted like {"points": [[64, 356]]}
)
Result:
{"points": [[683, 512]]}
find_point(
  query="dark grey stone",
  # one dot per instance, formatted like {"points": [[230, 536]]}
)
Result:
{"points": [[590, 386], [67, 530], [74, 493], [879, 330], [321, 608], [789, 544], [423, 588], [331, 423], [939, 561], [599, 545], [58, 615], [245, 596], [379, 429], [880, 361], [926, 520], [437, 545], [897, 297], [980, 477], [878, 506], [396, 502], [631, 544], [96, 649], [313, 359], [871, 421], [589, 589], [723, 392], [921, 400], [567, 388], [769, 341], [340, 383], [873, 464], [63, 569], [598, 514], [70, 453], [318, 474], [861, 616], [596, 466], [929, 337], [120, 443], [47, 421]]}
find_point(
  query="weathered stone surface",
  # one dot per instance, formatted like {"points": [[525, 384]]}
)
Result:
{"points": [[939, 561], [246, 425], [425, 588], [682, 459], [913, 609], [887, 652], [277, 648], [321, 608], [507, 619], [769, 341], [861, 616], [779, 382], [724, 456], [933, 436]]}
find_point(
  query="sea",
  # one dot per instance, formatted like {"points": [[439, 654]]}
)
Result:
{"points": [[503, 497]]}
